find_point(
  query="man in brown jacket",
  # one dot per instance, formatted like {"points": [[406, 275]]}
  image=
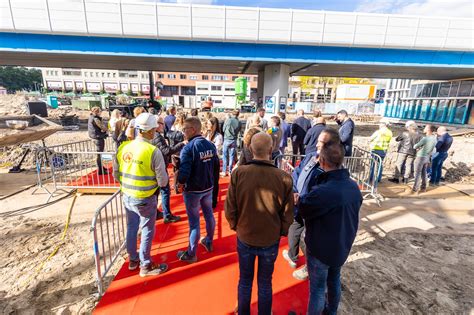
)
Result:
{"points": [[259, 206]]}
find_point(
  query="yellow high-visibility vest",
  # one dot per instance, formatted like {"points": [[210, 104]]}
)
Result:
{"points": [[380, 140], [137, 178]]}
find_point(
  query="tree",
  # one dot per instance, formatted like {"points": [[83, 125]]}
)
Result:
{"points": [[20, 78]]}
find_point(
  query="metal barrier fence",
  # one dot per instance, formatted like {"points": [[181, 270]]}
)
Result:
{"points": [[47, 156], [363, 167], [80, 170], [109, 232]]}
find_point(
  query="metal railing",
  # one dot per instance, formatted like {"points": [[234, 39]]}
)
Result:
{"points": [[80, 170], [109, 232], [363, 167], [46, 157]]}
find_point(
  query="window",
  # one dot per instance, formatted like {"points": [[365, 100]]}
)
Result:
{"points": [[205, 77], [216, 77], [133, 75], [171, 76], [193, 77], [182, 76], [413, 90], [161, 75], [72, 72], [188, 90], [442, 110], [123, 74], [465, 88], [229, 88], [454, 89], [85, 74], [216, 88], [460, 110], [434, 91], [426, 92], [225, 78], [114, 75], [234, 78], [202, 88], [255, 79], [444, 89], [419, 90]]}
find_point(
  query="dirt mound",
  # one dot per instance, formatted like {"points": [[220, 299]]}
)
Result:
{"points": [[13, 104]]}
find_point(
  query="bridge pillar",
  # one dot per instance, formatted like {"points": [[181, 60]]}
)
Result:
{"points": [[275, 87]]}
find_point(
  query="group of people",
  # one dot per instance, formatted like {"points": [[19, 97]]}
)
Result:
{"points": [[316, 207], [418, 156]]}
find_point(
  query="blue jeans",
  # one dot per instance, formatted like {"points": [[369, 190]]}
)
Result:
{"points": [[140, 213], [437, 166], [266, 263], [372, 166], [165, 200], [193, 202], [229, 150], [320, 276]]}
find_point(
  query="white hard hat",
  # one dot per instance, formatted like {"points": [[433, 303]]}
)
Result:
{"points": [[146, 121]]}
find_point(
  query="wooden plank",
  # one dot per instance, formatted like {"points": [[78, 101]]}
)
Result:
{"points": [[102, 190]]}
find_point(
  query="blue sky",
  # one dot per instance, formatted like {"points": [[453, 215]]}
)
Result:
{"points": [[454, 8]]}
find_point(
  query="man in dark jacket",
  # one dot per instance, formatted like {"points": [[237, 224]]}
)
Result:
{"points": [[198, 168], [346, 131], [331, 214], [259, 207], [304, 179], [312, 136], [166, 150], [299, 128], [285, 127], [231, 130], [406, 152], [97, 132], [445, 140]]}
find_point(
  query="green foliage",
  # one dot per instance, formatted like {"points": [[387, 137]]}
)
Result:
{"points": [[20, 78], [129, 92]]}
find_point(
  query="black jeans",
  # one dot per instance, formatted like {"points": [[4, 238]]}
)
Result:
{"points": [[298, 148], [99, 147], [296, 239]]}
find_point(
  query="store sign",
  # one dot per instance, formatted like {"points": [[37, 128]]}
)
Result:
{"points": [[110, 87], [270, 104], [283, 100], [134, 88], [93, 86]]}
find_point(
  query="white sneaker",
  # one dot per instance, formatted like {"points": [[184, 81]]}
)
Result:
{"points": [[301, 274], [288, 259]]}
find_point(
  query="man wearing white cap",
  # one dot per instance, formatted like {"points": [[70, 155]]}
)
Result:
{"points": [[141, 170]]}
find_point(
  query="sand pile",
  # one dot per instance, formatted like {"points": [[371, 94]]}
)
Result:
{"points": [[13, 104]]}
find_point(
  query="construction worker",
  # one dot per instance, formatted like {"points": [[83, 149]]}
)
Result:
{"points": [[379, 143], [141, 170]]}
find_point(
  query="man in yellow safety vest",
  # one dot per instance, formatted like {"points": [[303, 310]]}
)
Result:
{"points": [[141, 170], [379, 143]]}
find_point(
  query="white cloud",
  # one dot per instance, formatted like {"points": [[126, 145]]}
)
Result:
{"points": [[454, 8]]}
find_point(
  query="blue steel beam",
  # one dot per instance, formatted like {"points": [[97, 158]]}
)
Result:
{"points": [[110, 46]]}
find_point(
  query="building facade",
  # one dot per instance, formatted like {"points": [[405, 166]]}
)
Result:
{"points": [[96, 80], [448, 102]]}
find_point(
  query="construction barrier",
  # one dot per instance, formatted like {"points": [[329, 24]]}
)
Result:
{"points": [[74, 169], [46, 157], [363, 167], [109, 232]]}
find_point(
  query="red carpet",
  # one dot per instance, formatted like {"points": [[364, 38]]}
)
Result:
{"points": [[206, 287]]}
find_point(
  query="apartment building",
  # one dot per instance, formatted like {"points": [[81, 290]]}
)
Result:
{"points": [[96, 80]]}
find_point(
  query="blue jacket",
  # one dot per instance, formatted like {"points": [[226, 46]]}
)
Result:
{"points": [[444, 143], [331, 214], [346, 133], [285, 127], [310, 180], [312, 136], [199, 165]]}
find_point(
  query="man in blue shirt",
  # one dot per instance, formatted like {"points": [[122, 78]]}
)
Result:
{"points": [[170, 119], [346, 131], [331, 214], [442, 146], [312, 136], [198, 168], [299, 128]]}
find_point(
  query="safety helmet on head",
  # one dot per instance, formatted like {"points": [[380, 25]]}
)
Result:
{"points": [[145, 122], [409, 123]]}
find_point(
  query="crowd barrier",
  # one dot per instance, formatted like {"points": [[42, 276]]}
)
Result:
{"points": [[109, 232], [51, 159], [363, 167]]}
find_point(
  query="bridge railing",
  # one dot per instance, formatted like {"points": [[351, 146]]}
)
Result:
{"points": [[237, 24]]}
